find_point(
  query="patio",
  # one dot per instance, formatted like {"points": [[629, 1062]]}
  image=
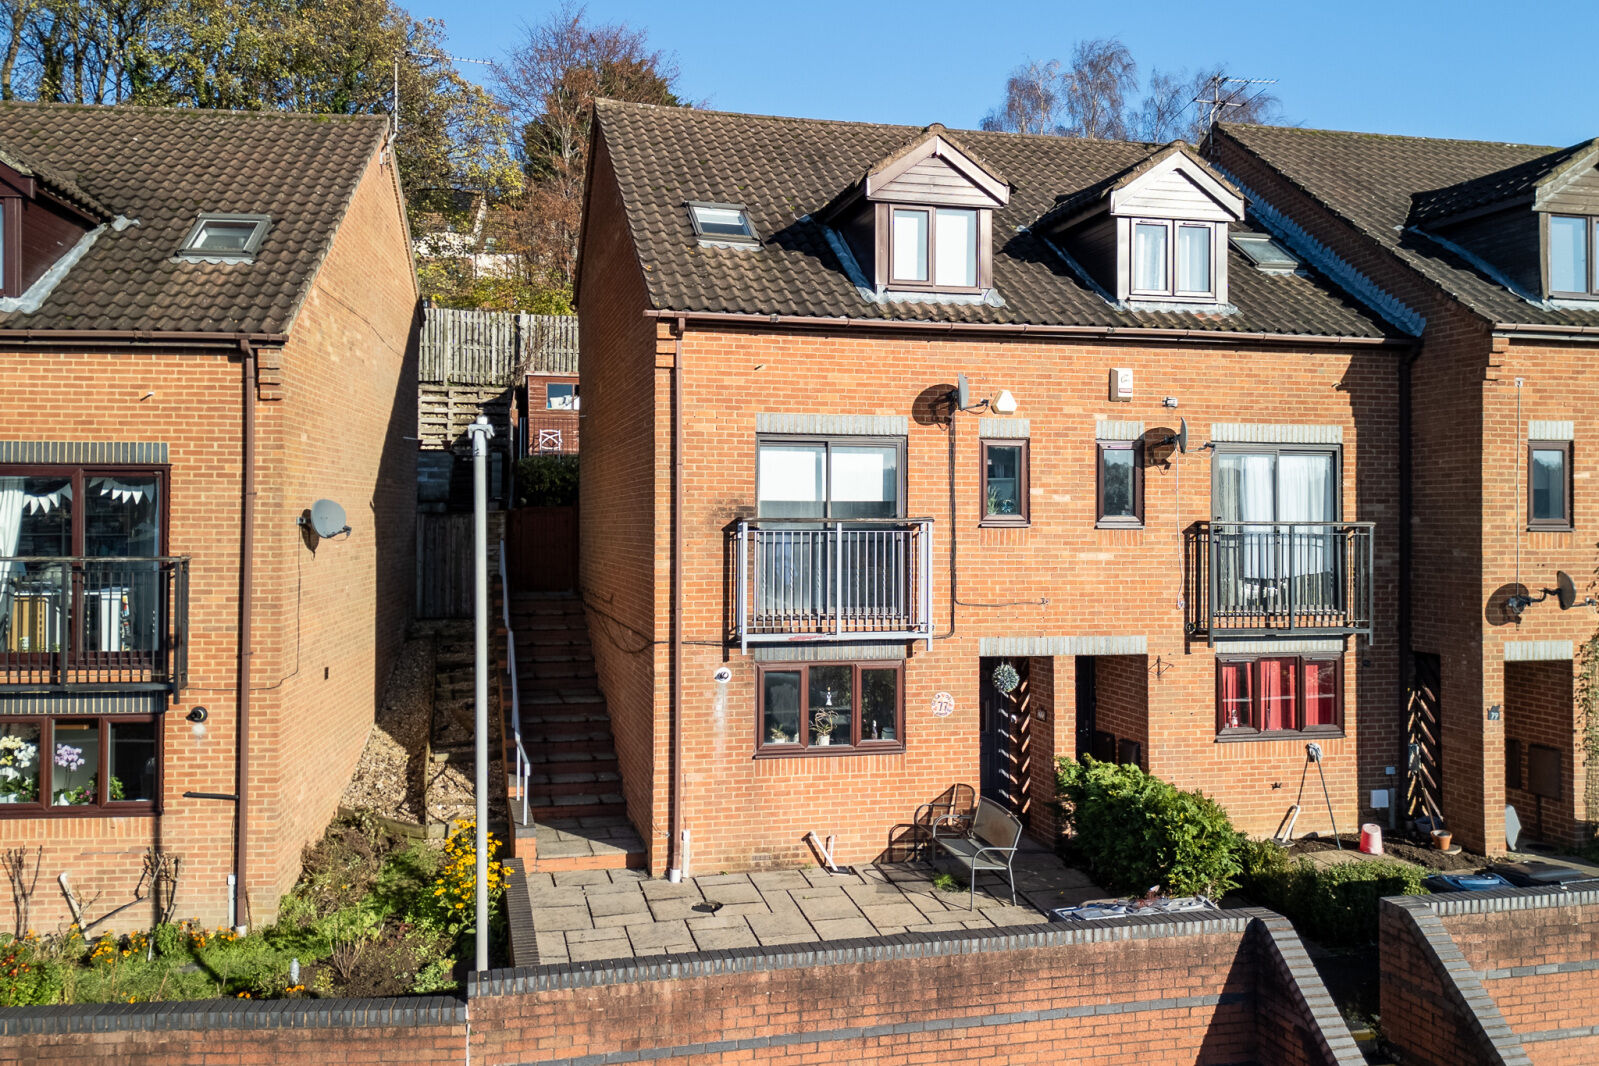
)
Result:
{"points": [[588, 915]]}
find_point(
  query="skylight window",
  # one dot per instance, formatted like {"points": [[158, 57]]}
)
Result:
{"points": [[1266, 253], [721, 222], [225, 237]]}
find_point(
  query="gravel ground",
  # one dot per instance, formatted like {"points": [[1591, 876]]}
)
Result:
{"points": [[389, 778]]}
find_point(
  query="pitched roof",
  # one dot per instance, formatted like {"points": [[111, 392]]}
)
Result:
{"points": [[159, 168], [785, 171], [1388, 187]]}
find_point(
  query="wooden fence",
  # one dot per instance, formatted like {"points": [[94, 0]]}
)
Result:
{"points": [[494, 347], [444, 562]]}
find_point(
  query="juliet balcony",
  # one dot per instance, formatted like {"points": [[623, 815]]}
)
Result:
{"points": [[78, 624], [1300, 578], [804, 580]]}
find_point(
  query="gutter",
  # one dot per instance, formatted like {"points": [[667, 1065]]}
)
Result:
{"points": [[241, 738], [1132, 333], [675, 849], [139, 336], [1529, 331]]}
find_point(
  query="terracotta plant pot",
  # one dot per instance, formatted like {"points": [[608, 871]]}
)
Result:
{"points": [[1441, 839]]}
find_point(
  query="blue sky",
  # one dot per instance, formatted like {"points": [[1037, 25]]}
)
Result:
{"points": [[1493, 71]]}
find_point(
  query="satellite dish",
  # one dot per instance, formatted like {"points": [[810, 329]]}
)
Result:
{"points": [[327, 518], [1182, 435], [1565, 590], [962, 392]]}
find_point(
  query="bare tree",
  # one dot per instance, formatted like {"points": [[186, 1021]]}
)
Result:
{"points": [[550, 83], [1092, 98], [1032, 101], [1096, 87]]}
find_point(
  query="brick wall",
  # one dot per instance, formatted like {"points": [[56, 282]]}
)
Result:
{"points": [[745, 812], [622, 557], [337, 403], [1538, 711], [1227, 989], [1504, 977], [1121, 700]]}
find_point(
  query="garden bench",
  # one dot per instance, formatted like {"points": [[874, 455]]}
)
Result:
{"points": [[988, 846]]}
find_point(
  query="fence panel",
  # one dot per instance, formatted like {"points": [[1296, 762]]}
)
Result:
{"points": [[541, 547], [444, 565]]}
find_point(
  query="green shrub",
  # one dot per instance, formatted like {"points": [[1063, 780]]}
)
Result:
{"points": [[1336, 904], [1136, 831], [546, 481], [28, 975]]}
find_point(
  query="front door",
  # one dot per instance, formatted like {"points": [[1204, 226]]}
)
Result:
{"points": [[1001, 722]]}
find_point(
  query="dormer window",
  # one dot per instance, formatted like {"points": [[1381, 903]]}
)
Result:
{"points": [[1157, 272], [921, 220], [1571, 256], [720, 223], [225, 237], [934, 247]]}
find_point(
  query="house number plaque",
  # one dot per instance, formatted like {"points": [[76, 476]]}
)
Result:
{"points": [[943, 705]]}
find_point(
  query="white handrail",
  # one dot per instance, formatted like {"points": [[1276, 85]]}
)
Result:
{"points": [[524, 765]]}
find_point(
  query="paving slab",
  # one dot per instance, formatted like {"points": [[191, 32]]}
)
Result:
{"points": [[561, 919], [616, 921], [580, 877], [780, 925], [900, 914], [654, 890], [843, 928], [605, 904], [658, 937], [770, 880], [542, 898], [828, 908]]}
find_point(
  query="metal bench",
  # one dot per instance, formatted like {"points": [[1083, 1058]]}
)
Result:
{"points": [[989, 846]]}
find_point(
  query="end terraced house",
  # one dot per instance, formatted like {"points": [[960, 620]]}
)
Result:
{"points": [[206, 325], [886, 484]]}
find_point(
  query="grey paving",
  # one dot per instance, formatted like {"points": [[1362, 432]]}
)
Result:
{"points": [[598, 914]]}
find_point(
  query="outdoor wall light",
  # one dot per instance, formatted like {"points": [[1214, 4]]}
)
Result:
{"points": [[722, 676], [198, 715], [1004, 403]]}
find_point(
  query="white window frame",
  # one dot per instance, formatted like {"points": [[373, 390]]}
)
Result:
{"points": [[1173, 227]]}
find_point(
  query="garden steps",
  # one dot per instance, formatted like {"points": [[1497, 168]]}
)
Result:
{"points": [[574, 790]]}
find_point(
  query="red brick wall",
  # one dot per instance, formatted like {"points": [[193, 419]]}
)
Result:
{"points": [[1121, 699], [347, 400], [745, 812], [622, 556], [1538, 710], [1549, 1014], [1223, 996]]}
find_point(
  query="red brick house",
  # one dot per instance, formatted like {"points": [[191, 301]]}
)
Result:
{"points": [[807, 560], [1491, 248], [207, 324]]}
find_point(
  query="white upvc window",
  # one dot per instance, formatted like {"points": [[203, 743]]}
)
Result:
{"points": [[1173, 259]]}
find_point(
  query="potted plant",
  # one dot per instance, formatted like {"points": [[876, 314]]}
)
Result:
{"points": [[16, 756], [823, 723], [776, 735]]}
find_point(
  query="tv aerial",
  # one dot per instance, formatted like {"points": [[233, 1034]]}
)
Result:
{"points": [[1564, 592]]}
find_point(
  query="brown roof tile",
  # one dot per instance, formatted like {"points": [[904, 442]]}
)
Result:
{"points": [[785, 170], [1379, 182], [160, 168]]}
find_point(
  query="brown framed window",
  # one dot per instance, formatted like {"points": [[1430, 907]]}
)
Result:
{"points": [[1273, 696], [73, 765], [1005, 483], [1549, 484], [1120, 478], [935, 249], [830, 708]]}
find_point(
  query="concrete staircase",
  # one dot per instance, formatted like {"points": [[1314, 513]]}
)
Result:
{"points": [[575, 790]]}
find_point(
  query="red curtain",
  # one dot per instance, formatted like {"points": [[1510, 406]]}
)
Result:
{"points": [[1277, 683], [1321, 694], [1236, 698]]}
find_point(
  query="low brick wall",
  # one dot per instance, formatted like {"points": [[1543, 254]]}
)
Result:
{"points": [[1492, 977], [1220, 990]]}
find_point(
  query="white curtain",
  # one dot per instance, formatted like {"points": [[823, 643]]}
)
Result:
{"points": [[10, 532], [1305, 493]]}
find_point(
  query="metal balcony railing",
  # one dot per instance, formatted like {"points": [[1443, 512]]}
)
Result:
{"points": [[1306, 578], [807, 580], [72, 623]]}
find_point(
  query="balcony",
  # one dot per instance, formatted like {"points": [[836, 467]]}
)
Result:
{"points": [[807, 580], [1299, 578], [76, 624]]}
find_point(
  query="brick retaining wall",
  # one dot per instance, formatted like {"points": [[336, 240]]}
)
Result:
{"points": [[1231, 988]]}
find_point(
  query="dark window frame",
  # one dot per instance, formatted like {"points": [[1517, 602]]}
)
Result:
{"points": [[885, 248], [1551, 525], [1023, 516], [1590, 233], [752, 236], [1245, 448], [1136, 519], [10, 246], [801, 747], [103, 806], [79, 473], [829, 441], [1254, 732], [261, 223]]}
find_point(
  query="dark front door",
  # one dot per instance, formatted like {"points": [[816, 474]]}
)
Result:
{"points": [[1085, 704], [1001, 719]]}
